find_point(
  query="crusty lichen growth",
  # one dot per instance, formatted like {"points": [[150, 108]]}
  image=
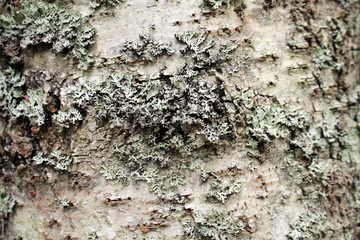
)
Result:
{"points": [[202, 49], [56, 159], [268, 122], [7, 204], [216, 225], [216, 4], [159, 128], [272, 121], [19, 103], [11, 91], [92, 235], [171, 120], [213, 7], [147, 51], [110, 3], [51, 23], [318, 135], [33, 106], [114, 173], [221, 187], [159, 237], [64, 119], [221, 191], [310, 225]]}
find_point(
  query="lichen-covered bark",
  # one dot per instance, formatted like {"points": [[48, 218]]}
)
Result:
{"points": [[213, 119]]}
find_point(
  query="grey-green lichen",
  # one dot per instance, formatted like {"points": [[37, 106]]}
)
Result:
{"points": [[202, 49], [322, 56], [147, 51], [310, 141], [319, 169], [17, 102], [50, 23], [160, 182], [7, 204], [33, 106], [268, 122], [319, 144], [159, 237], [220, 6], [319, 134], [11, 91], [216, 4], [222, 188], [171, 120], [216, 225], [92, 235], [150, 144], [110, 3], [273, 121], [114, 173], [310, 225], [64, 119], [65, 203], [55, 159], [337, 49]]}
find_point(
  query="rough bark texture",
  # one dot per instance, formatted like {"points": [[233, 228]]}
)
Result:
{"points": [[146, 119]]}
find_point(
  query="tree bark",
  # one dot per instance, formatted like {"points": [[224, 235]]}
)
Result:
{"points": [[213, 119]]}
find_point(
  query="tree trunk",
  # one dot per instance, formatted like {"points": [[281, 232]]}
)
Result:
{"points": [[169, 119]]}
